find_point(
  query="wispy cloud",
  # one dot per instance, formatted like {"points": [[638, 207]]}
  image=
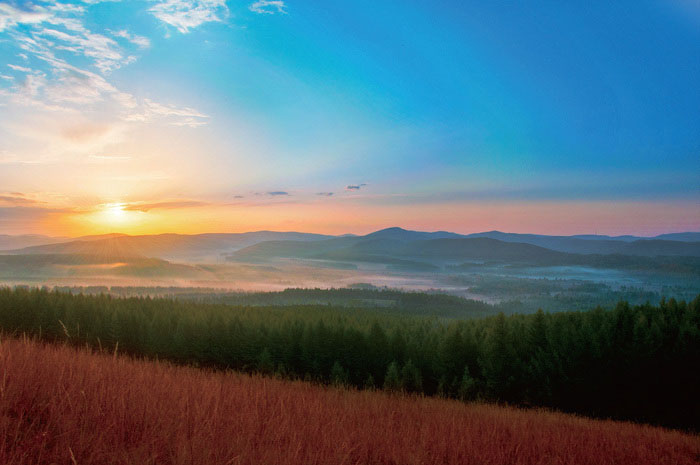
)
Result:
{"points": [[325, 194], [354, 187], [17, 217], [23, 69], [16, 199], [11, 16], [32, 84], [268, 7], [75, 38], [270, 194], [78, 87], [179, 116], [172, 205], [184, 15], [141, 41], [47, 200]]}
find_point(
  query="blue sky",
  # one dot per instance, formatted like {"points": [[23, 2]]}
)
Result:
{"points": [[423, 105]]}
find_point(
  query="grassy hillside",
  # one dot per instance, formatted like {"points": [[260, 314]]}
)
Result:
{"points": [[62, 406]]}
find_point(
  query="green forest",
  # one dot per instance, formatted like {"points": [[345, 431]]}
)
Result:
{"points": [[632, 362], [359, 296]]}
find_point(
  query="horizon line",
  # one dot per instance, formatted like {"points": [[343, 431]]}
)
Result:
{"points": [[115, 233]]}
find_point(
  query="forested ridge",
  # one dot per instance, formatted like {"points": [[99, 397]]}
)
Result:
{"points": [[631, 362]]}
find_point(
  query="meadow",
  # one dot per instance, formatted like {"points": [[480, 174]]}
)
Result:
{"points": [[66, 405]]}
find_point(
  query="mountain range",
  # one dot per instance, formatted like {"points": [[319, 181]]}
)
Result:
{"points": [[402, 249], [395, 247]]}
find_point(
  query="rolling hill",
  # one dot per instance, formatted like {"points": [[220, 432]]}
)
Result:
{"points": [[178, 247], [400, 248], [394, 247], [8, 242], [625, 245], [41, 266]]}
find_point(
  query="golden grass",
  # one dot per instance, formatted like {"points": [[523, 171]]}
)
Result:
{"points": [[65, 406]]}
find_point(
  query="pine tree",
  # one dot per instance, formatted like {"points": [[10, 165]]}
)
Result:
{"points": [[411, 379], [266, 365], [392, 380], [339, 377], [498, 360], [467, 386]]}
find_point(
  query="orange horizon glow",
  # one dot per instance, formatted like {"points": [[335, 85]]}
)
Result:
{"points": [[552, 218]]}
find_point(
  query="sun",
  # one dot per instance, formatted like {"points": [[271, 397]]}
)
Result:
{"points": [[115, 215], [115, 212], [112, 217]]}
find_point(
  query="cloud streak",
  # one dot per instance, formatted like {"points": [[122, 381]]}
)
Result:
{"points": [[11, 16], [75, 38], [18, 217], [172, 205], [178, 116], [141, 41], [20, 68], [185, 15], [268, 7], [16, 199]]}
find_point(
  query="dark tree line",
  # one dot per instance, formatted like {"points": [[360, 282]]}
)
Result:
{"points": [[639, 363], [390, 300]]}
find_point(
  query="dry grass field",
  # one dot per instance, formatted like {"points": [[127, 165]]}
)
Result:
{"points": [[59, 405]]}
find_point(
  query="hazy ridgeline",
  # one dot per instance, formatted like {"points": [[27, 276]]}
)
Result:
{"points": [[637, 363]]}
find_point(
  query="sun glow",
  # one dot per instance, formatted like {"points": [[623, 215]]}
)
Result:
{"points": [[115, 212], [114, 216]]}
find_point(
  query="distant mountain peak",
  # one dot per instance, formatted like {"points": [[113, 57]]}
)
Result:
{"points": [[391, 229], [402, 234]]}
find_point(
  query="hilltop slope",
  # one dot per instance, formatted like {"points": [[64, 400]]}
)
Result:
{"points": [[60, 405]]}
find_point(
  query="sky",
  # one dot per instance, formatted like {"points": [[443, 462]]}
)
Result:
{"points": [[195, 116]]}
